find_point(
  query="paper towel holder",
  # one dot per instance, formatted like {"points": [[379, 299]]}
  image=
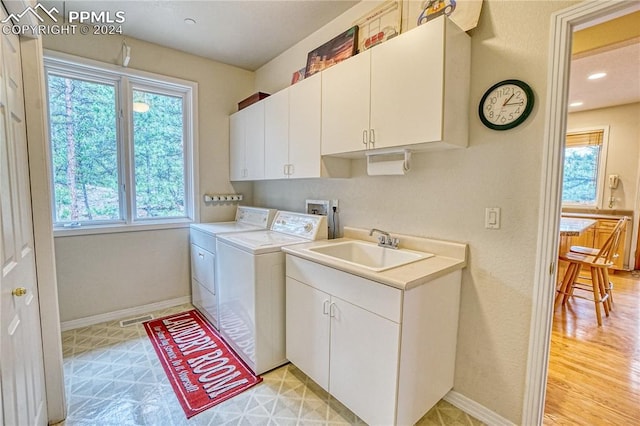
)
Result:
{"points": [[392, 154]]}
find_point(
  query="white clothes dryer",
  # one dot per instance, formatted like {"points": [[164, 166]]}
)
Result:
{"points": [[204, 289], [252, 287]]}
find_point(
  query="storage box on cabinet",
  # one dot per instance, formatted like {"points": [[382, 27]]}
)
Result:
{"points": [[411, 90]]}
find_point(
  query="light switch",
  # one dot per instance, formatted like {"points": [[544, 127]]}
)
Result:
{"points": [[492, 218]]}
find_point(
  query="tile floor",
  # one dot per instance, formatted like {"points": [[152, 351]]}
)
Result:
{"points": [[113, 377]]}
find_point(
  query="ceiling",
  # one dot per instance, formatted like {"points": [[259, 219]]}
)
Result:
{"points": [[610, 45], [620, 86], [243, 33]]}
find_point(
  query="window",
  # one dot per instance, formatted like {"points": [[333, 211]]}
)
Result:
{"points": [[584, 162], [121, 146]]}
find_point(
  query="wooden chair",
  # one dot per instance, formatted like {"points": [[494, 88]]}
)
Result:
{"points": [[616, 233], [597, 280]]}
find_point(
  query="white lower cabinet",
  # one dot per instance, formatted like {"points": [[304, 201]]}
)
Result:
{"points": [[387, 359]]}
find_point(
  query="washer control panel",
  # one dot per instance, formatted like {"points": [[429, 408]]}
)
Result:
{"points": [[255, 216], [309, 226]]}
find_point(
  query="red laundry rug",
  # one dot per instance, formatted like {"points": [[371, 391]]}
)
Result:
{"points": [[202, 369]]}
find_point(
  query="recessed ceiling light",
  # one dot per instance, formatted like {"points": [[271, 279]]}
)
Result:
{"points": [[597, 75], [576, 104], [189, 21]]}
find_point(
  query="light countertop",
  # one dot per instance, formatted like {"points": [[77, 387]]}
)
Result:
{"points": [[448, 257], [573, 227]]}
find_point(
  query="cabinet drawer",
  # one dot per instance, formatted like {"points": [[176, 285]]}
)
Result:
{"points": [[375, 297], [202, 267], [204, 240]]}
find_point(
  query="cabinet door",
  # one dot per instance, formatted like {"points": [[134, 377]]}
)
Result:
{"points": [[345, 105], [364, 362], [307, 335], [236, 146], [304, 127], [407, 86], [202, 267], [276, 135], [254, 141]]}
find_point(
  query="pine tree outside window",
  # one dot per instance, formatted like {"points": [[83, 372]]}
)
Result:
{"points": [[121, 146]]}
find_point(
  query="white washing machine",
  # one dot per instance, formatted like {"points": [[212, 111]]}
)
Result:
{"points": [[251, 287], [203, 255]]}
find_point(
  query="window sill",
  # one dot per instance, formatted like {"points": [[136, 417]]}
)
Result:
{"points": [[119, 228]]}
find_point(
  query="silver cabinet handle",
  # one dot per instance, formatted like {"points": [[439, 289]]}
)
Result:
{"points": [[373, 136], [332, 312], [364, 137], [325, 307]]}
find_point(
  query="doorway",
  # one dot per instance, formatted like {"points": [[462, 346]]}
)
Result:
{"points": [[562, 26]]}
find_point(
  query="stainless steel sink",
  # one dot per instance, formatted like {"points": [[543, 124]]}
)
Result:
{"points": [[369, 255]]}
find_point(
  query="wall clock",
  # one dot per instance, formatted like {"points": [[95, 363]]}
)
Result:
{"points": [[506, 104]]}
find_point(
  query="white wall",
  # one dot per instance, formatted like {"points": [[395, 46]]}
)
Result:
{"points": [[624, 148], [105, 273], [445, 194]]}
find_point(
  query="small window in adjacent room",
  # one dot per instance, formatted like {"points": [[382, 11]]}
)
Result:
{"points": [[584, 163], [122, 146]]}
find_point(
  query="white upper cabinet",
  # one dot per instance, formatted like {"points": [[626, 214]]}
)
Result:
{"points": [[411, 91], [292, 134], [304, 128], [418, 85], [236, 146], [246, 143], [276, 135], [345, 105]]}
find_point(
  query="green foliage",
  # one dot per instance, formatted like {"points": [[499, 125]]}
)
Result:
{"points": [[580, 180], [85, 153], [159, 156], [83, 114]]}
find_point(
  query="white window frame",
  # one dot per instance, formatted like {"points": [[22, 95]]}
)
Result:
{"points": [[602, 166], [126, 80]]}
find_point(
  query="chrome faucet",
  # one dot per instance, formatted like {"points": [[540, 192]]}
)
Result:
{"points": [[385, 239]]}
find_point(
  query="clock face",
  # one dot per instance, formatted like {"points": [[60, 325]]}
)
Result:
{"points": [[506, 105]]}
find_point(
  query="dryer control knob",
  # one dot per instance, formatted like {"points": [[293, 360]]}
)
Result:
{"points": [[308, 227]]}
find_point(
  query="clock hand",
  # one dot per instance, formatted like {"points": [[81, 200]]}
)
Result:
{"points": [[518, 103], [505, 102]]}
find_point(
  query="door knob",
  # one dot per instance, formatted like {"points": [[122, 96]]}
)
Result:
{"points": [[19, 291]]}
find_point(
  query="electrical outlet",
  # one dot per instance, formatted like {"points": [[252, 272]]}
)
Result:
{"points": [[334, 203]]}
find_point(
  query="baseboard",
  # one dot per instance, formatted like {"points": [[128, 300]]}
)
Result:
{"points": [[123, 313], [476, 410]]}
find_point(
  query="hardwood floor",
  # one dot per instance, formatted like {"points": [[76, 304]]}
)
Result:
{"points": [[594, 372]]}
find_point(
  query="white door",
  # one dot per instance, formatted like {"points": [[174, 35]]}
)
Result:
{"points": [[364, 362], [237, 146], [254, 141], [407, 78], [21, 362], [345, 105], [304, 127], [307, 325], [276, 135]]}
